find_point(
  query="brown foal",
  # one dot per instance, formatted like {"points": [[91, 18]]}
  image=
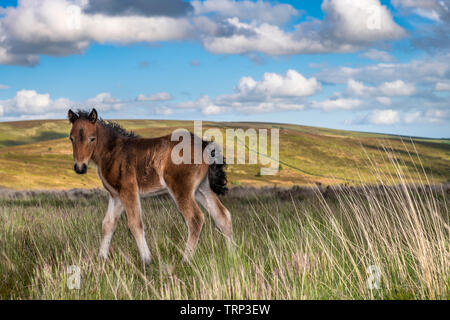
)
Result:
{"points": [[129, 165]]}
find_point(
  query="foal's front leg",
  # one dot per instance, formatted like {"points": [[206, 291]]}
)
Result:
{"points": [[109, 224], [132, 204]]}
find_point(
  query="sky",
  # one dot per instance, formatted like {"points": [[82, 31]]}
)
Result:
{"points": [[366, 65]]}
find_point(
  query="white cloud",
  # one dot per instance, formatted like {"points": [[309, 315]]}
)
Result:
{"points": [[378, 55], [430, 9], [442, 86], [292, 84], [274, 93], [433, 116], [212, 109], [397, 88], [266, 38], [164, 110], [362, 21], [437, 115], [358, 88], [391, 89], [105, 101], [160, 96], [419, 70], [247, 10], [60, 27], [384, 100], [412, 117], [337, 104], [383, 117], [32, 102], [204, 104]]}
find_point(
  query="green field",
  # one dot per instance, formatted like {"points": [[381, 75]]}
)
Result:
{"points": [[38, 155], [287, 246]]}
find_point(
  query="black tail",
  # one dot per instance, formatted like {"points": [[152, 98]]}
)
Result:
{"points": [[217, 178], [216, 173]]}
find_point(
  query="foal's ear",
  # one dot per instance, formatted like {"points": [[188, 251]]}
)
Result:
{"points": [[72, 116], [93, 116]]}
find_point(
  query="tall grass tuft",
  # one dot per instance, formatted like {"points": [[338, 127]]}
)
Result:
{"points": [[324, 246]]}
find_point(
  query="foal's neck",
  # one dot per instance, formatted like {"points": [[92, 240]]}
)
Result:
{"points": [[107, 140]]}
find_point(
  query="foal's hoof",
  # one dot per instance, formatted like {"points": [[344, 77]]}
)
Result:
{"points": [[102, 257], [147, 262]]}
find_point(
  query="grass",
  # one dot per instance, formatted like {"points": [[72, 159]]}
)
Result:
{"points": [[286, 247], [38, 155]]}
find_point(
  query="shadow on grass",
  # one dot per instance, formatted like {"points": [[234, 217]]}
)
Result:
{"points": [[43, 136]]}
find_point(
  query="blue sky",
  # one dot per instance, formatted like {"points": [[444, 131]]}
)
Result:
{"points": [[365, 65]]}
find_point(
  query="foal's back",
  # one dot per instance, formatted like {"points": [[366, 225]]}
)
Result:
{"points": [[154, 168]]}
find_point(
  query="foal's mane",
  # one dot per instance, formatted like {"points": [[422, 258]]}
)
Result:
{"points": [[111, 125]]}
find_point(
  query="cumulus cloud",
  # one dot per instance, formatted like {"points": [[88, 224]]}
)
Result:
{"points": [[30, 103], [362, 21], [204, 104], [433, 36], [273, 93], [393, 117], [104, 101], [163, 110], [337, 104], [59, 27], [247, 10], [160, 96], [391, 89], [424, 71], [65, 27], [139, 7], [383, 117], [273, 85], [397, 88], [431, 9], [413, 117], [378, 55], [442, 86], [347, 26], [358, 88], [433, 116], [384, 100]]}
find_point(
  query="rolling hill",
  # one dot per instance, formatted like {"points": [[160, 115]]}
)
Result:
{"points": [[38, 155]]}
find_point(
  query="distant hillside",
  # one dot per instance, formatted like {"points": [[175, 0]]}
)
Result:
{"points": [[38, 155]]}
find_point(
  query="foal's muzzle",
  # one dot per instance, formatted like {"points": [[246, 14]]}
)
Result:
{"points": [[79, 170]]}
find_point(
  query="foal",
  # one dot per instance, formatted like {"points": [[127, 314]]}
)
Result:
{"points": [[129, 165]]}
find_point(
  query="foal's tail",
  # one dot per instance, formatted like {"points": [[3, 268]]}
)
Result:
{"points": [[217, 176]]}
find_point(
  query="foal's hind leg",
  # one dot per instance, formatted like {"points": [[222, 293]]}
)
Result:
{"points": [[216, 209], [109, 224], [132, 204], [194, 220]]}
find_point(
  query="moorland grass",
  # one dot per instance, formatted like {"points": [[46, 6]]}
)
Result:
{"points": [[286, 247]]}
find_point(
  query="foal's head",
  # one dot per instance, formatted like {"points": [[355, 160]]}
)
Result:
{"points": [[84, 138]]}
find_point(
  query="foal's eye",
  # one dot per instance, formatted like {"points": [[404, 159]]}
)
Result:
{"points": [[92, 139]]}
